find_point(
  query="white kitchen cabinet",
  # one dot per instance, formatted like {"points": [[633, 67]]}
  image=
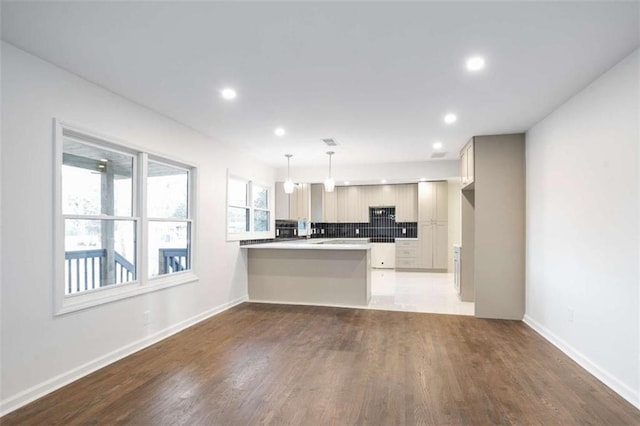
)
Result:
{"points": [[343, 204], [406, 253], [329, 206], [440, 243], [432, 225], [432, 201], [383, 255], [364, 196], [425, 244], [300, 202], [388, 195], [282, 202], [349, 204], [467, 164], [432, 245], [406, 202]]}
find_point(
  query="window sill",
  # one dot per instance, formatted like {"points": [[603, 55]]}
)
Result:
{"points": [[251, 236], [105, 295]]}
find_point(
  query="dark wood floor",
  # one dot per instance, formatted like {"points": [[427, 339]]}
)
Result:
{"points": [[273, 364]]}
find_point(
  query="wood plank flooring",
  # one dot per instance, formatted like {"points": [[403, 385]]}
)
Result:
{"points": [[276, 364]]}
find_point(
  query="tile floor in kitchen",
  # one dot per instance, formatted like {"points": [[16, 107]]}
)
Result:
{"points": [[416, 292]]}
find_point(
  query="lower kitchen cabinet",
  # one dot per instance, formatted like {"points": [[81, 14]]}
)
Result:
{"points": [[432, 244], [406, 253], [383, 255]]}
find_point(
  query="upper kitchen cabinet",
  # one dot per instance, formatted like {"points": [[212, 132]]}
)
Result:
{"points": [[329, 206], [432, 201], [406, 202], [282, 202], [467, 164], [300, 202], [293, 206], [351, 206]]}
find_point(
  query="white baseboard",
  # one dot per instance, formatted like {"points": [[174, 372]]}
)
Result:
{"points": [[16, 401], [600, 373]]}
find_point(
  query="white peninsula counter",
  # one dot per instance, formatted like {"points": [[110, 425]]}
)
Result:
{"points": [[330, 272]]}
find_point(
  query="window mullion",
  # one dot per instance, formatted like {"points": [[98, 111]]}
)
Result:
{"points": [[143, 228]]}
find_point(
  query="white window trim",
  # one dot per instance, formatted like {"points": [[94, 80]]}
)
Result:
{"points": [[63, 303], [251, 235]]}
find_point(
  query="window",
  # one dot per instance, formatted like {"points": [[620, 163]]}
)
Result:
{"points": [[248, 209], [124, 220]]}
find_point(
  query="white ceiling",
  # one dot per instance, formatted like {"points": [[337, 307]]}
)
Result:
{"points": [[376, 77]]}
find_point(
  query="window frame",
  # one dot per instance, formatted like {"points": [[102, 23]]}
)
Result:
{"points": [[251, 234], [66, 303]]}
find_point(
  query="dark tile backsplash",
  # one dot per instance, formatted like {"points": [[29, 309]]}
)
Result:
{"points": [[382, 227]]}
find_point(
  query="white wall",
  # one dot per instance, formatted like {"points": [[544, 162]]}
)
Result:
{"points": [[583, 241], [358, 174], [454, 222], [39, 351]]}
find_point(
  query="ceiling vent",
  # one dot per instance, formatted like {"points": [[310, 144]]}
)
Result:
{"points": [[329, 142], [438, 155]]}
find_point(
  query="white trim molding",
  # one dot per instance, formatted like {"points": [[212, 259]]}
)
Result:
{"points": [[16, 401], [598, 372]]}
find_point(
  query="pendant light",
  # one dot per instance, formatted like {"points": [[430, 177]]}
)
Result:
{"points": [[329, 183], [289, 186]]}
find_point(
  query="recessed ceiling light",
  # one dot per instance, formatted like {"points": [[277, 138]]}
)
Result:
{"points": [[437, 145], [279, 131], [383, 181], [475, 63], [104, 160], [346, 182], [228, 93], [450, 118]]}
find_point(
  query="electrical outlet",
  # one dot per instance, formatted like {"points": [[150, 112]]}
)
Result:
{"points": [[404, 230], [570, 314], [146, 317], [322, 231], [357, 231]]}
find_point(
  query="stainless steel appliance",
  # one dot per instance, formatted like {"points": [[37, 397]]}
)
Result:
{"points": [[286, 229]]}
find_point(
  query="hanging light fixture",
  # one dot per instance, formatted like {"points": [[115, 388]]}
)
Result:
{"points": [[329, 183], [289, 186]]}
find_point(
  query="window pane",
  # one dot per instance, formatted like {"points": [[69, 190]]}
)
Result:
{"points": [[260, 220], [237, 192], [260, 197], [96, 181], [98, 253], [169, 247], [238, 219], [167, 191]]}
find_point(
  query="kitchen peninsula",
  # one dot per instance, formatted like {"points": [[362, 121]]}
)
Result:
{"points": [[319, 272]]}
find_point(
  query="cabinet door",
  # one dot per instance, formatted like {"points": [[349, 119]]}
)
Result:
{"points": [[406, 203], [293, 203], [353, 204], [463, 166], [441, 196], [470, 164], [364, 200], [426, 201], [282, 202], [329, 206], [388, 195], [343, 204], [441, 246], [375, 196], [425, 244], [306, 202]]}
